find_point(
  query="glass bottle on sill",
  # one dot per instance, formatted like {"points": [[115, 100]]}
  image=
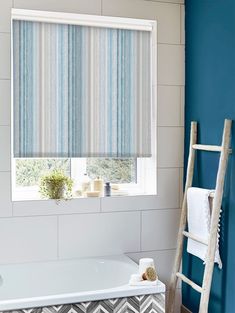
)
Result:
{"points": [[86, 184], [98, 185], [107, 189]]}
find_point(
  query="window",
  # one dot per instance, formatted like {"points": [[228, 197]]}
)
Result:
{"points": [[130, 175], [29, 171], [80, 109], [117, 171]]}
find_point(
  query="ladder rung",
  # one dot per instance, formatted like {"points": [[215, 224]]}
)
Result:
{"points": [[209, 148], [194, 237], [212, 194], [189, 282]]}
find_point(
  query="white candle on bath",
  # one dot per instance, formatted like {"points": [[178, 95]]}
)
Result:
{"points": [[144, 264]]}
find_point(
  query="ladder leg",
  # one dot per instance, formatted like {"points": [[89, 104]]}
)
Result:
{"points": [[178, 257], [207, 278]]}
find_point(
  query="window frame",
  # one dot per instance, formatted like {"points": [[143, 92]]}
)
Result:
{"points": [[146, 184], [146, 167], [83, 19]]}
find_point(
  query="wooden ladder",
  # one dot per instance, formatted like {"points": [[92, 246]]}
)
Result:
{"points": [[216, 206]]}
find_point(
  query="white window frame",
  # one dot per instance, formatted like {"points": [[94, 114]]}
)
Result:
{"points": [[146, 167], [83, 19], [145, 184]]}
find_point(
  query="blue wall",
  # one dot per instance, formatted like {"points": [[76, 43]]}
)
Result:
{"points": [[210, 97]]}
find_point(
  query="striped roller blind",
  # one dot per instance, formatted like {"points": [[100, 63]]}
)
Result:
{"points": [[81, 91]]}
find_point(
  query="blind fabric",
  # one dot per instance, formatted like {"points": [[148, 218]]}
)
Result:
{"points": [[81, 91]]}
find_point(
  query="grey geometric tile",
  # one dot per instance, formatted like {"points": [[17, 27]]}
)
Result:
{"points": [[64, 308], [55, 309], [154, 303], [79, 307], [92, 306], [72, 309], [118, 304], [33, 310]]}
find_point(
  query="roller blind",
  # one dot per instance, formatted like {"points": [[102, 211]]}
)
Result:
{"points": [[80, 91]]}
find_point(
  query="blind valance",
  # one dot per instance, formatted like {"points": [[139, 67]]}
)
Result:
{"points": [[80, 91]]}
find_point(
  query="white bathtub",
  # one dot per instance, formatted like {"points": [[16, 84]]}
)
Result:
{"points": [[41, 284]]}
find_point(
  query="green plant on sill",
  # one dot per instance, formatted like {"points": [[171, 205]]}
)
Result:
{"points": [[56, 185]]}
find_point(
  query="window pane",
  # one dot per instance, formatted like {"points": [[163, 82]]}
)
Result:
{"points": [[29, 171], [119, 171]]}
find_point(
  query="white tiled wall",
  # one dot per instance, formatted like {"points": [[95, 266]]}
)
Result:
{"points": [[169, 106], [5, 161], [99, 234], [159, 229], [29, 238], [5, 72], [139, 226], [5, 92]]}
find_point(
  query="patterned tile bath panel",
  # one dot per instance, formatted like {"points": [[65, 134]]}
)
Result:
{"points": [[137, 304]]}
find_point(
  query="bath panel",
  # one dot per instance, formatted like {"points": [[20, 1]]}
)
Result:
{"points": [[137, 304]]}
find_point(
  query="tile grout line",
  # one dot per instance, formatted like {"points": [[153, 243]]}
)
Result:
{"points": [[57, 246], [170, 44], [170, 85], [179, 190], [158, 43], [182, 31], [141, 227], [100, 202], [180, 24], [12, 209], [170, 126], [170, 2], [182, 88], [155, 250], [97, 212], [181, 109]]}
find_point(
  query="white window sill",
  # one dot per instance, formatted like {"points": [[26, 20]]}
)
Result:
{"points": [[37, 198], [84, 205], [32, 194]]}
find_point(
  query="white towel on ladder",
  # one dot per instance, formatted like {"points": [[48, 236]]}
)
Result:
{"points": [[199, 220]]}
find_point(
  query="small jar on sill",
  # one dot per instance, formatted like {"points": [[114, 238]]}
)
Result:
{"points": [[107, 189]]}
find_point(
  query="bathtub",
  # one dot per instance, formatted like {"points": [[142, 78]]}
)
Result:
{"points": [[80, 282]]}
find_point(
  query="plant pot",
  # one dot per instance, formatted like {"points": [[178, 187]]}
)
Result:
{"points": [[55, 192]]}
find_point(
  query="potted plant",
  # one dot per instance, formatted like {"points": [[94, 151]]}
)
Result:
{"points": [[56, 185]]}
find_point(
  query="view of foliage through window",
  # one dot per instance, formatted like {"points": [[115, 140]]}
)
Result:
{"points": [[113, 170], [29, 171]]}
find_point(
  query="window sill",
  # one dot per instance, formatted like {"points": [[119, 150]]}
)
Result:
{"points": [[58, 202], [33, 195], [84, 205]]}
